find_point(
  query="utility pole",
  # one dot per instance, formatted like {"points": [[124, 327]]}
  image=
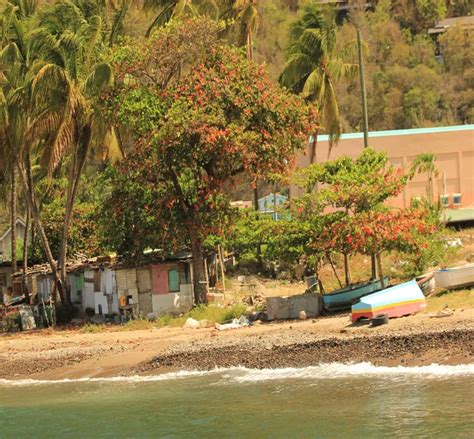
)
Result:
{"points": [[363, 91], [365, 120]]}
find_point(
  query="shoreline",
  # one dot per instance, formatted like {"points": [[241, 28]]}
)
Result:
{"points": [[70, 354], [444, 348]]}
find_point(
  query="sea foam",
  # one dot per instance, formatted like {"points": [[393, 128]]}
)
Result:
{"points": [[245, 375]]}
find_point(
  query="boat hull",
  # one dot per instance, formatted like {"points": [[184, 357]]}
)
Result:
{"points": [[343, 299], [397, 301], [456, 277]]}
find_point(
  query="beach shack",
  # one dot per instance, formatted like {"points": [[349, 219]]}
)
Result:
{"points": [[93, 287], [161, 284], [104, 286], [45, 282], [172, 286], [6, 285]]}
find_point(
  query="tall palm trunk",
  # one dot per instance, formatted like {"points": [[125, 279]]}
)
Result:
{"points": [[13, 208], [249, 46], [25, 248], [27, 183], [312, 159], [314, 144], [77, 168]]}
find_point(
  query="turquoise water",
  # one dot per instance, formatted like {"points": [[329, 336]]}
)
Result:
{"points": [[328, 401]]}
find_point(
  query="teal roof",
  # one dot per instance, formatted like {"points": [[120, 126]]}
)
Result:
{"points": [[432, 130]]}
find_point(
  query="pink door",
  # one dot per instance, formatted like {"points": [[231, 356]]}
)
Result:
{"points": [[159, 279]]}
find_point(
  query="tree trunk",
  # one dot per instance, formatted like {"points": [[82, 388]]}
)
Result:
{"points": [[347, 269], [255, 196], [312, 159], [430, 187], [13, 209], [249, 46], [77, 168], [25, 249], [334, 270], [379, 264], [199, 277], [373, 267], [27, 183], [314, 144]]}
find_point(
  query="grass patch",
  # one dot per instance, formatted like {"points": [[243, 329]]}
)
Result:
{"points": [[213, 313], [139, 324], [170, 321], [455, 299], [93, 328]]}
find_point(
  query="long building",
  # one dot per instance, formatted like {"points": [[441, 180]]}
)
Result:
{"points": [[453, 147]]}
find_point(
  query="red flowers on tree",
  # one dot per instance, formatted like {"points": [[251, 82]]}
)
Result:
{"points": [[219, 118]]}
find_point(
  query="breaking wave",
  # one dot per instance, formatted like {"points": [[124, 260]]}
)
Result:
{"points": [[344, 370], [245, 375]]}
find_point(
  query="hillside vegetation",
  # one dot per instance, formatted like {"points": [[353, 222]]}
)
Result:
{"points": [[413, 79]]}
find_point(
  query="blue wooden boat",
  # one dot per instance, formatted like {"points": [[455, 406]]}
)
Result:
{"points": [[344, 298]]}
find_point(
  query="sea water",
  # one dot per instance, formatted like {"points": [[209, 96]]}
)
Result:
{"points": [[326, 401]]}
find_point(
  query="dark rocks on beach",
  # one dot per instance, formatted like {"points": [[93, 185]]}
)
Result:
{"points": [[288, 352]]}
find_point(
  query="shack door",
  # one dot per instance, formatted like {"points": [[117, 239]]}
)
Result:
{"points": [[144, 291], [160, 279]]}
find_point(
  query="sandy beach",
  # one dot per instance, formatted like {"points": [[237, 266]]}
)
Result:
{"points": [[417, 340]]}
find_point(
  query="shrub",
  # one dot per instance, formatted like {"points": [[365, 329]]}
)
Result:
{"points": [[65, 313], [11, 322]]}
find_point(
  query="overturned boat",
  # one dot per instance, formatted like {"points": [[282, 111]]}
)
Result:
{"points": [[400, 300], [345, 297], [455, 277]]}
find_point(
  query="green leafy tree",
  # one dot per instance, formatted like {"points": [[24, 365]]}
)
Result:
{"points": [[349, 188], [222, 119]]}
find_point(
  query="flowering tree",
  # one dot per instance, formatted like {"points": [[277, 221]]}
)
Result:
{"points": [[376, 232], [347, 188], [219, 119]]}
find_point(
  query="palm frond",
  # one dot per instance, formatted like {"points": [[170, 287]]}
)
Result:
{"points": [[161, 19], [10, 54], [298, 67], [314, 88], [99, 78]]}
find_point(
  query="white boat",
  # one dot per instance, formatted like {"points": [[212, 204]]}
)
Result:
{"points": [[455, 277], [398, 301]]}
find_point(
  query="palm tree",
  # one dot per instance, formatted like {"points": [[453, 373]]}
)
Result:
{"points": [[313, 67], [168, 9], [15, 104], [69, 78], [245, 14], [12, 58], [426, 163]]}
